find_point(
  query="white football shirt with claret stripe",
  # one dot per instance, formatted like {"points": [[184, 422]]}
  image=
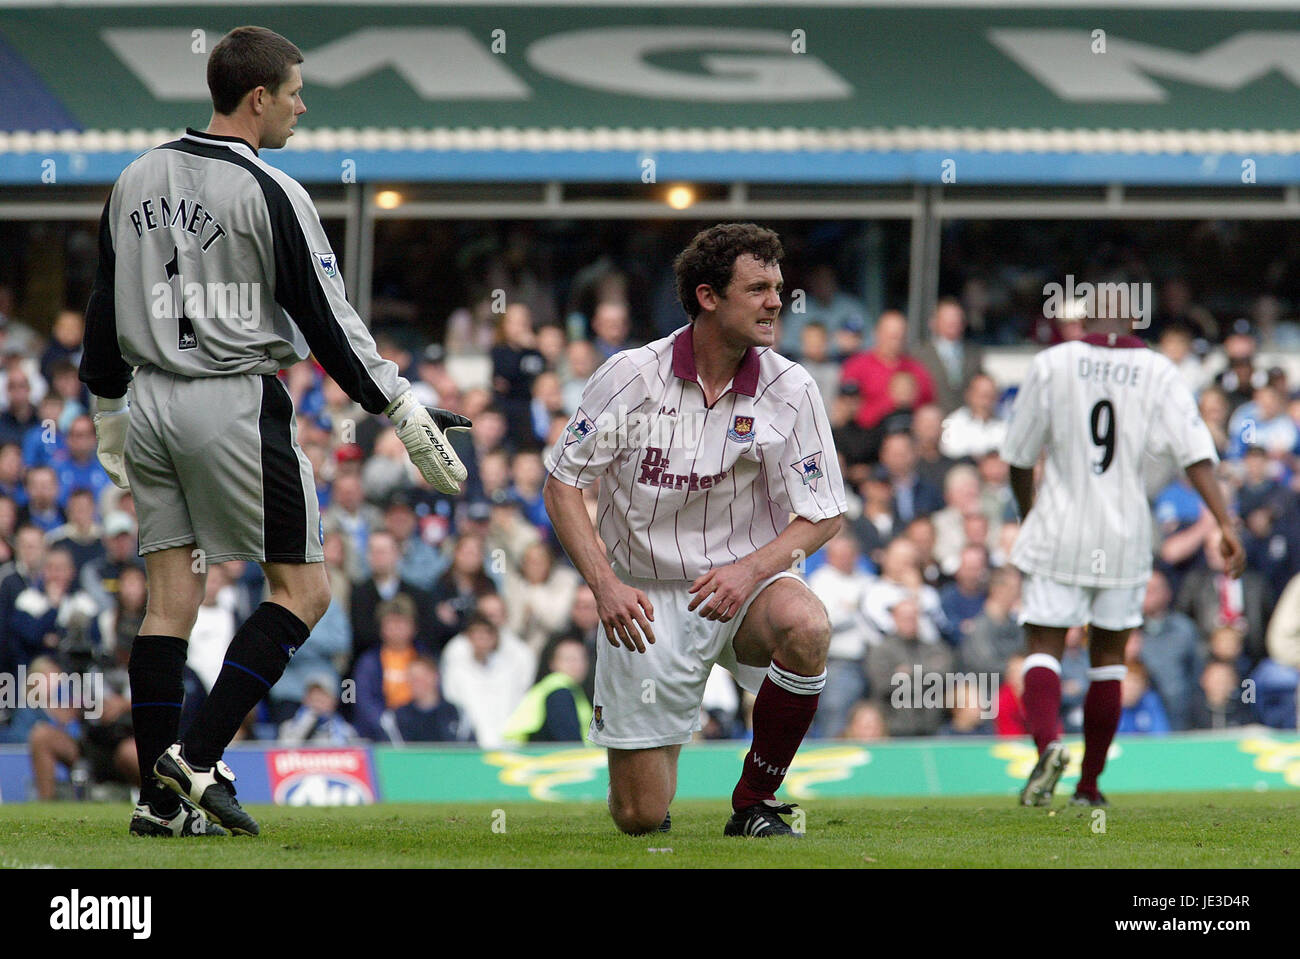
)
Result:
{"points": [[686, 487], [1105, 409]]}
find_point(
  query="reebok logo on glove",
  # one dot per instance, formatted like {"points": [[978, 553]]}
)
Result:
{"points": [[440, 447], [421, 431]]}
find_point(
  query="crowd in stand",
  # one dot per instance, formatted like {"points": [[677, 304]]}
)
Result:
{"points": [[447, 612]]}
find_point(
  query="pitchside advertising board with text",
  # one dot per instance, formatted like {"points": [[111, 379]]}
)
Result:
{"points": [[1014, 92], [1253, 759], [320, 777]]}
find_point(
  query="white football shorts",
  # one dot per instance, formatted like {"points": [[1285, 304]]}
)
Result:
{"points": [[648, 700], [1048, 602]]}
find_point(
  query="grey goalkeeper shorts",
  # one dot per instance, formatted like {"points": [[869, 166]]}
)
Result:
{"points": [[215, 461]]}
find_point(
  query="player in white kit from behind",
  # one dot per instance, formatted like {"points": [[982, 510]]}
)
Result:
{"points": [[1101, 410], [704, 442]]}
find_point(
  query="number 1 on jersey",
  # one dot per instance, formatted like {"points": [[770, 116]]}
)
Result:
{"points": [[185, 338]]}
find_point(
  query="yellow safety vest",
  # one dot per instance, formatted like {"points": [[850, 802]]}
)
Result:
{"points": [[530, 715]]}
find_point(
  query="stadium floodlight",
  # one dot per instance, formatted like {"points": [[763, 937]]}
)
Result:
{"points": [[680, 197]]}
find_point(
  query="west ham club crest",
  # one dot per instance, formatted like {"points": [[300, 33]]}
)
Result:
{"points": [[742, 429]]}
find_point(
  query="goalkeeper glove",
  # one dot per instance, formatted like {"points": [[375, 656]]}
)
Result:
{"points": [[423, 431], [112, 417]]}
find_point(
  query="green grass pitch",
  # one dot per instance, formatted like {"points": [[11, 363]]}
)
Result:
{"points": [[1140, 830]]}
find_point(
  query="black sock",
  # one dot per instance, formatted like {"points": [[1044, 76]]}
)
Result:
{"points": [[157, 692], [254, 662]]}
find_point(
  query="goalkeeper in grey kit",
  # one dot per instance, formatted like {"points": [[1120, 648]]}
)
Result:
{"points": [[207, 443]]}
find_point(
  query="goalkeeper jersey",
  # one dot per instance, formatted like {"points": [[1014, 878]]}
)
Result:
{"points": [[1104, 410], [212, 263]]}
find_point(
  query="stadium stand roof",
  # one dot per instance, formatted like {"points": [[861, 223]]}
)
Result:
{"points": [[1156, 92]]}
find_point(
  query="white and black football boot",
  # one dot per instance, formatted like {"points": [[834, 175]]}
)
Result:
{"points": [[1047, 771], [188, 820], [761, 821], [211, 789]]}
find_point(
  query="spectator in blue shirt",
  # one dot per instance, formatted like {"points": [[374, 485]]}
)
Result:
{"points": [[303, 381], [77, 466], [1218, 703], [421, 564], [67, 386], [528, 475], [1171, 652], [317, 659], [317, 721], [427, 718], [8, 529], [80, 535], [64, 349], [1074, 679], [44, 438], [42, 509], [20, 412], [963, 599], [611, 328], [53, 614], [515, 364], [1181, 525], [1263, 422], [1143, 711], [11, 473], [1259, 485], [18, 576], [99, 577], [382, 672], [825, 303], [546, 404]]}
